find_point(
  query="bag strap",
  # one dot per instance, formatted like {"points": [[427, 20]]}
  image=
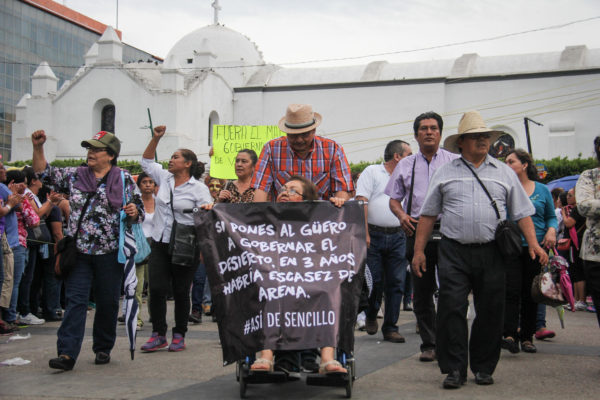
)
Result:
{"points": [[412, 184], [85, 206], [123, 180], [484, 188]]}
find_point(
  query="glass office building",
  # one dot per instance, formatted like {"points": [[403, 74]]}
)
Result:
{"points": [[32, 31]]}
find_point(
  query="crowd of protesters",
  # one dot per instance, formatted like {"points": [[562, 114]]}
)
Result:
{"points": [[430, 210]]}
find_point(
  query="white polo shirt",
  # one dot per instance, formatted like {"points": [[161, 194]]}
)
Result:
{"points": [[371, 185]]}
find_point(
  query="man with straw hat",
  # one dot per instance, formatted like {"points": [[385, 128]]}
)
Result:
{"points": [[469, 258], [302, 152]]}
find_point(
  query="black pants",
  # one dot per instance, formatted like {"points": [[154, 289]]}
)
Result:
{"points": [[160, 272], [592, 283], [423, 290], [520, 307], [463, 268]]}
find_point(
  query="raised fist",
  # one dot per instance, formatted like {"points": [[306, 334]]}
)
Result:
{"points": [[159, 131], [38, 138]]}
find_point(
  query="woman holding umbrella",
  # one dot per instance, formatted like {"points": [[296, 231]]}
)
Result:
{"points": [[96, 197]]}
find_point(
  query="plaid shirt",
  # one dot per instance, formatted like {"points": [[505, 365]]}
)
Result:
{"points": [[325, 165]]}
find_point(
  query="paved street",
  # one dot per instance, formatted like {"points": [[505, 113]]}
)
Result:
{"points": [[566, 367]]}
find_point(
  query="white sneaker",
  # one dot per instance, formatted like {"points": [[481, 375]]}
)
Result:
{"points": [[360, 321], [580, 306], [31, 319]]}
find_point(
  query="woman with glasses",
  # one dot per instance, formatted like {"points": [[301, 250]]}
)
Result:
{"points": [[96, 197], [298, 189]]}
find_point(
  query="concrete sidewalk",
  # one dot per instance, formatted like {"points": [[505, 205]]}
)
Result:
{"points": [[565, 367]]}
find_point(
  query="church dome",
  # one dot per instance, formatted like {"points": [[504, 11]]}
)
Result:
{"points": [[228, 46]]}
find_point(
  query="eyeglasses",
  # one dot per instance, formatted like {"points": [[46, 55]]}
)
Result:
{"points": [[291, 191], [478, 135], [96, 149], [215, 186]]}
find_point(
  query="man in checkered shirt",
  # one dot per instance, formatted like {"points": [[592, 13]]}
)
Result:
{"points": [[301, 152]]}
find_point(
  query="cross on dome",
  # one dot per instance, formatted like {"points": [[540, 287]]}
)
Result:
{"points": [[215, 5]]}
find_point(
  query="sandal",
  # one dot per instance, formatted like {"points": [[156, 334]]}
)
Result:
{"points": [[528, 347], [339, 370], [260, 362]]}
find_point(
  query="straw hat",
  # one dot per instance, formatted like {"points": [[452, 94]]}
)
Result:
{"points": [[471, 122], [299, 118]]}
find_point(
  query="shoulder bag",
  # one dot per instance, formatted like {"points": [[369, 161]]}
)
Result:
{"points": [[552, 285], [66, 248], [38, 235], [508, 234], [183, 246]]}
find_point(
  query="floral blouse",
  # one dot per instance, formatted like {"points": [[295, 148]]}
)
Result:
{"points": [[99, 232], [26, 218], [587, 193], [236, 196]]}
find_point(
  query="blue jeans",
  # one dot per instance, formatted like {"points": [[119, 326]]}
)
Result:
{"points": [[104, 272], [26, 280], [540, 321], [20, 256], [198, 287], [387, 262]]}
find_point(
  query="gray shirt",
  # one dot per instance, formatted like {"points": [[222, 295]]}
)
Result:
{"points": [[467, 213]]}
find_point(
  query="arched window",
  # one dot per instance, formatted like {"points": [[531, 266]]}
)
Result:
{"points": [[103, 116], [107, 120], [213, 119]]}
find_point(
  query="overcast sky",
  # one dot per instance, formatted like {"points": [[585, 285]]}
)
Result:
{"points": [[296, 31]]}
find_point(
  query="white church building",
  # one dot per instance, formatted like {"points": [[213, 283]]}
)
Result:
{"points": [[215, 75]]}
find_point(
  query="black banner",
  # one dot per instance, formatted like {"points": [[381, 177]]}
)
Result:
{"points": [[284, 276]]}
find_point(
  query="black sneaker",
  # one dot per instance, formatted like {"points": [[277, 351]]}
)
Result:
{"points": [[63, 362], [102, 358], [195, 317]]}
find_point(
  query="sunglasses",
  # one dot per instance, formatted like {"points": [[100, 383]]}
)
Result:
{"points": [[215, 186], [96, 149], [478, 135]]}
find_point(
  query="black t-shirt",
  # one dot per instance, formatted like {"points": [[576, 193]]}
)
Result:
{"points": [[54, 216], [579, 223]]}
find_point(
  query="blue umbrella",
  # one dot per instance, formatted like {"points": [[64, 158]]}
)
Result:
{"points": [[567, 182]]}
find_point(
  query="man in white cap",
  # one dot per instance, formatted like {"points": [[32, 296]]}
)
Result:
{"points": [[469, 257], [302, 152]]}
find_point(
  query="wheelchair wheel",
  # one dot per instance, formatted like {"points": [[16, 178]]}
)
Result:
{"points": [[243, 374], [351, 377]]}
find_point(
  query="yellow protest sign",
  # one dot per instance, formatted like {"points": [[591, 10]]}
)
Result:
{"points": [[228, 140]]}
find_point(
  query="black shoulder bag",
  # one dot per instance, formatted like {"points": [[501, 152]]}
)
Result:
{"points": [[183, 246], [66, 248], [508, 234]]}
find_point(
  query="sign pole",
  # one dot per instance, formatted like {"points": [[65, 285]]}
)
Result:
{"points": [[152, 133]]}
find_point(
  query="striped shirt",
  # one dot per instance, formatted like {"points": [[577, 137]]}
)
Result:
{"points": [[325, 165], [467, 213]]}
